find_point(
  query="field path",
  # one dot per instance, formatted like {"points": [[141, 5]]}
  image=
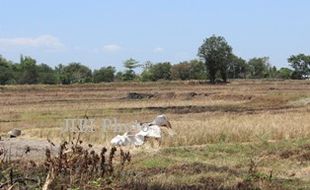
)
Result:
{"points": [[32, 149]]}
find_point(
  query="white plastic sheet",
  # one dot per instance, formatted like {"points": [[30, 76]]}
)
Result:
{"points": [[151, 129]]}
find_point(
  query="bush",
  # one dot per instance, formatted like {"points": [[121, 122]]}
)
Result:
{"points": [[193, 69], [105, 74], [158, 71]]}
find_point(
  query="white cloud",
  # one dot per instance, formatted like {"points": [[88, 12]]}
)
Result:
{"points": [[158, 50], [111, 48], [48, 42]]}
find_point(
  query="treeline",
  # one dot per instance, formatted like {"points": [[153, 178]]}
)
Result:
{"points": [[217, 63], [29, 72]]}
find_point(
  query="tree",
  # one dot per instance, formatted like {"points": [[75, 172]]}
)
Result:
{"points": [[188, 70], [119, 76], [217, 55], [160, 71], [238, 68], [130, 65], [59, 73], [75, 73], [6, 72], [300, 64], [104, 74], [272, 72], [47, 75], [146, 74], [197, 70], [259, 67], [154, 72], [181, 71], [28, 69], [284, 73]]}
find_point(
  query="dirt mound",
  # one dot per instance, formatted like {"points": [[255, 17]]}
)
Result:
{"points": [[189, 109], [188, 96], [165, 95], [139, 96], [301, 154], [285, 154]]}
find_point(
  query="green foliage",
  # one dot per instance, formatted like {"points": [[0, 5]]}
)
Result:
{"points": [[157, 162], [197, 70], [6, 72], [259, 67], [217, 55], [75, 73], [128, 75], [105, 74], [219, 62], [301, 65], [181, 71], [284, 73], [28, 70], [46, 74], [154, 72], [146, 75], [238, 68], [130, 65], [118, 76], [188, 70], [273, 72]]}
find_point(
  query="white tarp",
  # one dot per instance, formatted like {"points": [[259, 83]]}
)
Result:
{"points": [[121, 140], [151, 129], [137, 139]]}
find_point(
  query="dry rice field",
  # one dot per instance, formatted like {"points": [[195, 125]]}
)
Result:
{"points": [[246, 134]]}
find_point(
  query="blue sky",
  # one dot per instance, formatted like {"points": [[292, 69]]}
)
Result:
{"points": [[101, 33]]}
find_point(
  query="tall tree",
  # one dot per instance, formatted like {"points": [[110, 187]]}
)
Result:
{"points": [[6, 72], [130, 65], [300, 64], [28, 69], [217, 55]]}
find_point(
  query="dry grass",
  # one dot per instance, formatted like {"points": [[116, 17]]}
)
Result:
{"points": [[243, 111], [223, 126]]}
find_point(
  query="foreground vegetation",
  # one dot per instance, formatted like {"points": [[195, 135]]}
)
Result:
{"points": [[243, 166], [247, 134]]}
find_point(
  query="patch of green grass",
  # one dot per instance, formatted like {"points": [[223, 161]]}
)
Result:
{"points": [[227, 161], [157, 162]]}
